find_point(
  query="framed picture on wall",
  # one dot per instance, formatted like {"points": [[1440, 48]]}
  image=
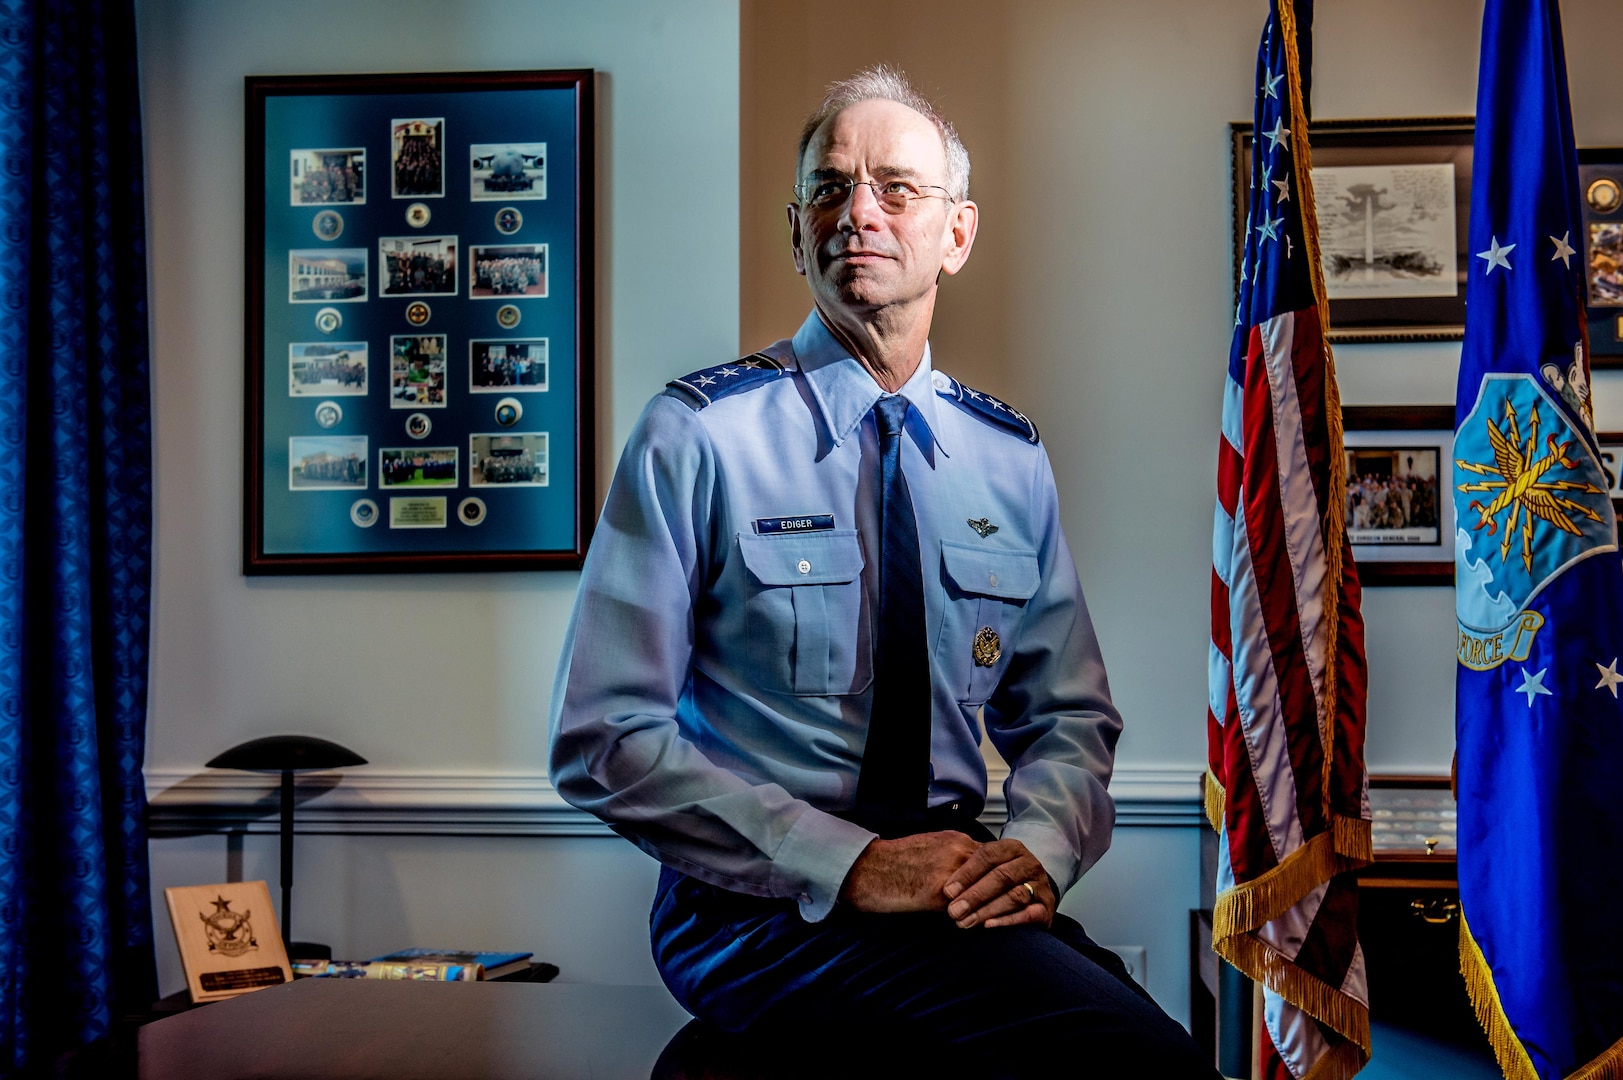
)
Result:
{"points": [[381, 389], [1611, 464], [1394, 206], [1399, 510], [1600, 181]]}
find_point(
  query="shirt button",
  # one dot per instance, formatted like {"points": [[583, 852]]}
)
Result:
{"points": [[993, 578], [803, 566]]}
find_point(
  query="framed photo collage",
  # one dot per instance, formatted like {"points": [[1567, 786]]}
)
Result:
{"points": [[419, 312]]}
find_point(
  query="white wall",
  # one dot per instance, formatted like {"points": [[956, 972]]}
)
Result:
{"points": [[1097, 300], [443, 675]]}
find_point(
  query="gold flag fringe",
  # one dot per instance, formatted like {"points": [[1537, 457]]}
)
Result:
{"points": [[1353, 839], [1267, 896], [1213, 795], [1609, 1066], [1514, 1061], [1327, 1004]]}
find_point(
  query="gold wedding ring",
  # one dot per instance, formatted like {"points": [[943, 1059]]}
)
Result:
{"points": [[1031, 894]]}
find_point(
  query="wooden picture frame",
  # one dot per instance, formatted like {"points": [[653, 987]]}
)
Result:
{"points": [[1394, 207], [1600, 188], [419, 322], [1400, 510], [1611, 464]]}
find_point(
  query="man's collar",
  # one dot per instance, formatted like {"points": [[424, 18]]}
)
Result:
{"points": [[845, 392]]}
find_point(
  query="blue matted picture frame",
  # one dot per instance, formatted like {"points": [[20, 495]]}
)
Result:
{"points": [[392, 222]]}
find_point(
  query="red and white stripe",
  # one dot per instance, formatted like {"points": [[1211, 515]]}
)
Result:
{"points": [[1271, 647]]}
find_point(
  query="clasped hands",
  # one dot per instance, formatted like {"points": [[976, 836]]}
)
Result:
{"points": [[976, 884]]}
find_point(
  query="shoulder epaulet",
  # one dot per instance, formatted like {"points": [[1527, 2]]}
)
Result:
{"points": [[984, 406], [709, 385]]}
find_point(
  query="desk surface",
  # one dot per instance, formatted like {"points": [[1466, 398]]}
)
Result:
{"points": [[361, 1028]]}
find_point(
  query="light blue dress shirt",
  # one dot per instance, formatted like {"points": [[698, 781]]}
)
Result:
{"points": [[711, 702]]}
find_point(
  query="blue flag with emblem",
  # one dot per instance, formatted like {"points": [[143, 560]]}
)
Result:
{"points": [[1539, 590]]}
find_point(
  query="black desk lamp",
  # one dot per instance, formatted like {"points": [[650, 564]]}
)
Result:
{"points": [[288, 754]]}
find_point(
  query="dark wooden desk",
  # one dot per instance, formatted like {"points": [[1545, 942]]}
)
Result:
{"points": [[362, 1028]]}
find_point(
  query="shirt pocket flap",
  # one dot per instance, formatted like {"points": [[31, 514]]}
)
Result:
{"points": [[1007, 575], [825, 558]]}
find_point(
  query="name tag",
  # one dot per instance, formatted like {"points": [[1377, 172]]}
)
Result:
{"points": [[803, 523]]}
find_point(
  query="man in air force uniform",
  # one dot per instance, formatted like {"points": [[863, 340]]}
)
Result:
{"points": [[817, 570]]}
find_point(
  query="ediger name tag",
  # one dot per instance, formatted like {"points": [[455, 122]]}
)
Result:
{"points": [[795, 523]]}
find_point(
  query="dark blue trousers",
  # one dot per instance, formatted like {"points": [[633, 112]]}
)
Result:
{"points": [[1010, 1002]]}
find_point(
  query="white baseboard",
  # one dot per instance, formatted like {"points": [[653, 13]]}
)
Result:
{"points": [[372, 801]]}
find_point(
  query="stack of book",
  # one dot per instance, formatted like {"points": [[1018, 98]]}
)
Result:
{"points": [[437, 965]]}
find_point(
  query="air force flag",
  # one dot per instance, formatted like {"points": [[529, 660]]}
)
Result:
{"points": [[1539, 590]]}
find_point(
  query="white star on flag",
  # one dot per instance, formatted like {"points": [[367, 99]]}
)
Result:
{"points": [[1284, 187], [1533, 686], [1495, 255], [1280, 134], [1270, 229], [1270, 85], [1609, 677], [1563, 250]]}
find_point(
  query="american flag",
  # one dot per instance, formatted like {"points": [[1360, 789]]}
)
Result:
{"points": [[1287, 789]]}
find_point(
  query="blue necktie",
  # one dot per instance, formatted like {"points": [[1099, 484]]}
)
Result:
{"points": [[895, 778]]}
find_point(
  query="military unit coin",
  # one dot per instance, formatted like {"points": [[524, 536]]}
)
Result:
{"points": [[364, 512], [509, 221], [508, 411], [418, 425], [987, 647], [1604, 195], [328, 225], [328, 320], [507, 316], [471, 511], [417, 215], [329, 413], [417, 313]]}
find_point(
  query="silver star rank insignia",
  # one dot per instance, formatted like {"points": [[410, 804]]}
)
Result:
{"points": [[983, 527]]}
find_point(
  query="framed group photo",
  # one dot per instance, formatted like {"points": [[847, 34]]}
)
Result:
{"points": [[1394, 206], [1399, 509], [381, 388]]}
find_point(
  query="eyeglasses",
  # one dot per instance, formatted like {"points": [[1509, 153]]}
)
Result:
{"points": [[893, 196]]}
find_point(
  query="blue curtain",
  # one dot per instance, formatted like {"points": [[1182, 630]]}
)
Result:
{"points": [[75, 528]]}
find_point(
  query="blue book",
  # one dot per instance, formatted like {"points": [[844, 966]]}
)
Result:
{"points": [[496, 964]]}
